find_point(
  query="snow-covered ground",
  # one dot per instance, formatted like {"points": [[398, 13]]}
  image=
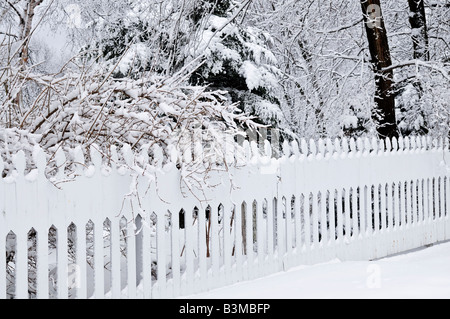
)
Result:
{"points": [[423, 273]]}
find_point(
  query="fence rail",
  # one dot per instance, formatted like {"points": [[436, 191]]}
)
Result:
{"points": [[113, 233]]}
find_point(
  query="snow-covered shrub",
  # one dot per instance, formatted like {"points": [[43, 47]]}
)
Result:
{"points": [[85, 105]]}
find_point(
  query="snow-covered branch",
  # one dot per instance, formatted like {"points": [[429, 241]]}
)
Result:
{"points": [[431, 65]]}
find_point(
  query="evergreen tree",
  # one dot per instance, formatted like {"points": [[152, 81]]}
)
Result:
{"points": [[232, 57], [236, 59]]}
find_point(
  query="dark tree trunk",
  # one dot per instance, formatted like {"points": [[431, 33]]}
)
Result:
{"points": [[419, 32], [25, 29], [384, 112], [419, 36]]}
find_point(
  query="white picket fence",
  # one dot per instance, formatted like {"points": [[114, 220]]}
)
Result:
{"points": [[114, 234]]}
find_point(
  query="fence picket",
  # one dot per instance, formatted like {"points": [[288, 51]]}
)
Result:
{"points": [[435, 199], [340, 221], [430, 199], [227, 242], [238, 242], [21, 265], [355, 199], [281, 232], [202, 250], [402, 205], [298, 225], [115, 258], [256, 231], [99, 280], [383, 207], [249, 241], [415, 206], [215, 242], [62, 262], [390, 207], [323, 218], [408, 203], [420, 207], [315, 220], [270, 233], [332, 216], [288, 220], [347, 219], [365, 215], [441, 232], [376, 209], [396, 201], [81, 260], [42, 263], [161, 252], [147, 259], [131, 258]]}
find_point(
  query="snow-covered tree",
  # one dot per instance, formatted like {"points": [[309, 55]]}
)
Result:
{"points": [[231, 56], [236, 58], [323, 54], [320, 51], [110, 101], [303, 66], [381, 61]]}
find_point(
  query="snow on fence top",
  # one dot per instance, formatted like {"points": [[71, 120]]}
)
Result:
{"points": [[75, 162]]}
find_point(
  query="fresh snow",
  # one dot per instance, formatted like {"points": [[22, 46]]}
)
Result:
{"points": [[349, 121], [419, 274]]}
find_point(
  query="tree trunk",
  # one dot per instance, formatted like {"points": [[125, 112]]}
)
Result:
{"points": [[419, 36], [26, 24], [419, 32], [25, 30], [384, 112], [318, 108]]}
